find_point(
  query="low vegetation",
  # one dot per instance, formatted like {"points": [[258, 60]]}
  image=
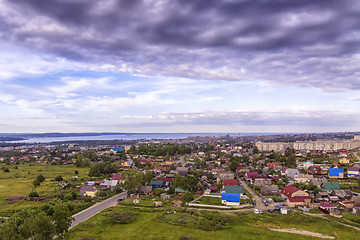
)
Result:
{"points": [[161, 224]]}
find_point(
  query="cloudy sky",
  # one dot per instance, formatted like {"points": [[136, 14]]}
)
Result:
{"points": [[179, 65]]}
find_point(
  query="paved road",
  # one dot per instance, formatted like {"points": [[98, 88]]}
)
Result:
{"points": [[257, 199], [96, 208]]}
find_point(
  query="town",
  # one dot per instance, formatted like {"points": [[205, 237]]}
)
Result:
{"points": [[316, 177]]}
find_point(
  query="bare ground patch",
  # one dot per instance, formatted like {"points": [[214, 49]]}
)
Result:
{"points": [[302, 232]]}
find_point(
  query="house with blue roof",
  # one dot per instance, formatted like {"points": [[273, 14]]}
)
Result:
{"points": [[230, 199], [115, 150], [336, 173]]}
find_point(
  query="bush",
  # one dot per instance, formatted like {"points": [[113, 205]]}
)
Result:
{"points": [[36, 183], [58, 178], [33, 194], [41, 178], [76, 172], [121, 218]]}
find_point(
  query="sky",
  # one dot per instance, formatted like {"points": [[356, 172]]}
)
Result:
{"points": [[230, 66]]}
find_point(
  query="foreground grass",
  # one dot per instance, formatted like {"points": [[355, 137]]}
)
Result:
{"points": [[242, 226]]}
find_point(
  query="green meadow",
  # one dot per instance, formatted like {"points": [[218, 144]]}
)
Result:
{"points": [[159, 224], [19, 182]]}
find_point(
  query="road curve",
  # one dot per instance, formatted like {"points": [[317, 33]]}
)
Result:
{"points": [[96, 208]]}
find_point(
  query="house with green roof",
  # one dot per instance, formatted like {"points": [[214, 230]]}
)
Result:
{"points": [[233, 189], [330, 186]]}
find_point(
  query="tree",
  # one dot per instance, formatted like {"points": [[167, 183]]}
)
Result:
{"points": [[62, 219], [103, 168], [255, 150], [134, 181], [187, 197], [42, 227], [41, 178], [148, 176], [233, 165], [36, 183]]}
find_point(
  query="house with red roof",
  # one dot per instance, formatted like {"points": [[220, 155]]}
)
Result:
{"points": [[272, 165], [143, 161], [252, 175], [230, 182], [295, 196]]}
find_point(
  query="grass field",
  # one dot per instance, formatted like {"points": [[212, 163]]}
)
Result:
{"points": [[18, 182], [243, 226], [210, 201]]}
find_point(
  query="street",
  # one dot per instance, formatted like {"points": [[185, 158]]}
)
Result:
{"points": [[258, 200], [96, 208]]}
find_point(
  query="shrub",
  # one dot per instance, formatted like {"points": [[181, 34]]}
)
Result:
{"points": [[36, 183], [41, 178], [6, 170], [58, 178], [33, 194], [121, 218]]}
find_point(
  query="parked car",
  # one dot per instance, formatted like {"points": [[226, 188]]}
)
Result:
{"points": [[257, 211]]}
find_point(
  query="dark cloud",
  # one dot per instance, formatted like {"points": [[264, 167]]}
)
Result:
{"points": [[311, 43]]}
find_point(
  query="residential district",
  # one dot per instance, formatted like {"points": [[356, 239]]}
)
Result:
{"points": [[255, 174]]}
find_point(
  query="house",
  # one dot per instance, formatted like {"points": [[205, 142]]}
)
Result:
{"points": [[262, 181], [233, 189], [119, 178], [230, 199], [353, 172], [252, 175], [213, 189], [145, 160], [298, 201], [128, 164], [157, 184], [290, 173], [115, 150], [342, 194], [272, 165], [271, 190], [226, 175], [335, 213], [88, 191], [344, 160], [308, 164], [356, 210], [167, 181], [292, 192], [302, 178], [183, 171], [327, 206], [109, 183], [318, 181], [180, 190], [145, 190], [230, 182], [330, 186], [314, 170], [347, 204], [336, 173]]}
